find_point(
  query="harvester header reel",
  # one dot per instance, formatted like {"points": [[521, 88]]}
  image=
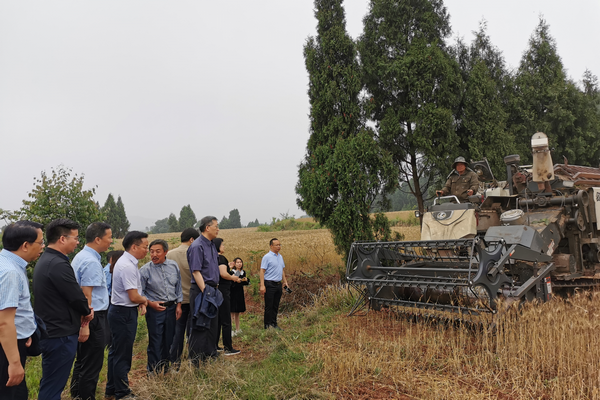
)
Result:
{"points": [[464, 276]]}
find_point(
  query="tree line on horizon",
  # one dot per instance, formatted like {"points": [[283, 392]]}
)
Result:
{"points": [[391, 110], [61, 194], [187, 219]]}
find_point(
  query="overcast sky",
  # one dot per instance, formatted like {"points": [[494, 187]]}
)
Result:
{"points": [[169, 103]]}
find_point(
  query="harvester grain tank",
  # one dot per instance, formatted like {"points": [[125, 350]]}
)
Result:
{"points": [[525, 238]]}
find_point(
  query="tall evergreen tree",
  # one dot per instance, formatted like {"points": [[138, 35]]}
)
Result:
{"points": [[110, 211], [115, 216], [482, 118], [547, 101], [123, 223], [187, 218], [224, 223], [344, 168], [234, 219], [173, 223], [414, 86]]}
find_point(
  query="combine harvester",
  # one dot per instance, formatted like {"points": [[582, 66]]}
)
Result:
{"points": [[523, 239]]}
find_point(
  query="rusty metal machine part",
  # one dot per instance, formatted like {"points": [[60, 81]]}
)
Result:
{"points": [[534, 235]]}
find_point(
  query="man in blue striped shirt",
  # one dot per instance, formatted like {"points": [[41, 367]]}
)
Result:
{"points": [[161, 284], [23, 242]]}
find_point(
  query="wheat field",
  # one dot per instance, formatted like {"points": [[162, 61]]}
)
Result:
{"points": [[540, 351], [302, 251]]}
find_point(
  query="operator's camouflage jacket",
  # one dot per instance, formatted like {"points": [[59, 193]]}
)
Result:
{"points": [[458, 185]]}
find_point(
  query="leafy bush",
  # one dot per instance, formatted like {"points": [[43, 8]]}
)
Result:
{"points": [[289, 224]]}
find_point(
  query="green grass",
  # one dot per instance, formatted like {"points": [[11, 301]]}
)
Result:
{"points": [[273, 364], [33, 369]]}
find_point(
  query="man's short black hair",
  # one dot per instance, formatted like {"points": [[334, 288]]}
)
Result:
{"points": [[60, 227], [162, 242], [272, 240], [189, 233], [133, 237], [96, 230], [206, 221], [18, 233]]}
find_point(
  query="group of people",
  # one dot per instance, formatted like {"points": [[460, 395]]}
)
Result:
{"points": [[80, 307]]}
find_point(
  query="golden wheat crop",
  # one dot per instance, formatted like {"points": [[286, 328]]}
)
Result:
{"points": [[543, 351], [302, 251]]}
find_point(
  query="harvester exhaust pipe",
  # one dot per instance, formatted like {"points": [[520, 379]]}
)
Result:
{"points": [[543, 170], [511, 160]]}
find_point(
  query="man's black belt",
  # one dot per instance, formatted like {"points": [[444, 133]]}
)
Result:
{"points": [[168, 303]]}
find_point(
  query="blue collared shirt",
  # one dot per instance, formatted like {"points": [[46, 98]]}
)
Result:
{"points": [[273, 265], [14, 292], [202, 256], [108, 277], [89, 272], [161, 282]]}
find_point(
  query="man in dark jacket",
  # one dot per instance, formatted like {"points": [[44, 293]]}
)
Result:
{"points": [[203, 260], [61, 304], [462, 182]]}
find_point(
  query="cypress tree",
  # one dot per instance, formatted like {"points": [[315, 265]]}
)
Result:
{"points": [[482, 120], [110, 211], [344, 168], [546, 100], [187, 218], [122, 226], [173, 223], [414, 86], [234, 219]]}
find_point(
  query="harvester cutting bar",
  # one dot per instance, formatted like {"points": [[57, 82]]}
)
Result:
{"points": [[430, 306], [439, 281], [418, 267]]}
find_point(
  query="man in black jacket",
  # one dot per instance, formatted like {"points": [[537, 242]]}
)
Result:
{"points": [[61, 304]]}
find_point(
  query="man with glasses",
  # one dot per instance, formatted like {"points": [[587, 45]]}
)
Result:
{"points": [[123, 313], [93, 337], [203, 260], [271, 277], [179, 255], [23, 242], [61, 304]]}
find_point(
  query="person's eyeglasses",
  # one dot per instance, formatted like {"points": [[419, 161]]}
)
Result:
{"points": [[145, 247], [41, 242], [74, 237]]}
